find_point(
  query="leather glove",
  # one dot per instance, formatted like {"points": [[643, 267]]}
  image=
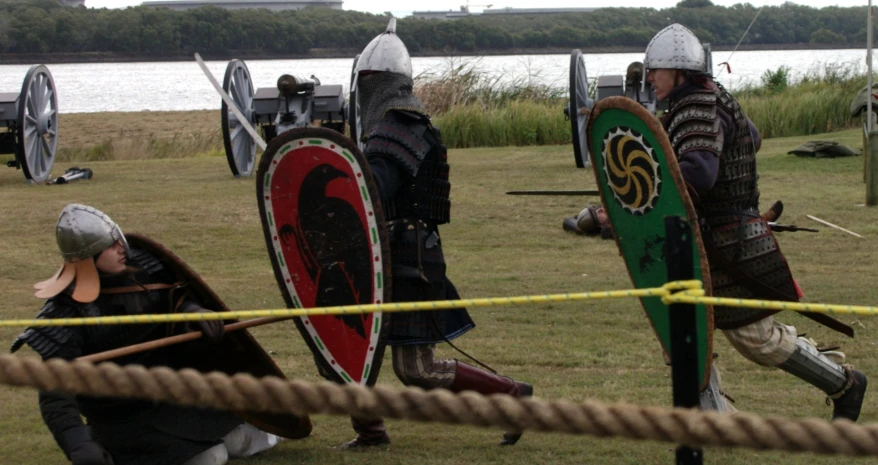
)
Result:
{"points": [[90, 453], [213, 330]]}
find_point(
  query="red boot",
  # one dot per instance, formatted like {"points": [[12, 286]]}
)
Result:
{"points": [[370, 433], [470, 378]]}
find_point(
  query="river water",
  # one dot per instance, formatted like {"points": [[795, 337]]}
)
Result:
{"points": [[167, 86]]}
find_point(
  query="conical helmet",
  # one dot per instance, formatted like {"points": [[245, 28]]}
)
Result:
{"points": [[386, 53], [82, 233], [675, 47]]}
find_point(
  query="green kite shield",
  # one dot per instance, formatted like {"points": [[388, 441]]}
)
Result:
{"points": [[324, 229], [641, 184]]}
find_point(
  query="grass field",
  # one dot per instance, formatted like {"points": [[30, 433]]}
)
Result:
{"points": [[496, 245]]}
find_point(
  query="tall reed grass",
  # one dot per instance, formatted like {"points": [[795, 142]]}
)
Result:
{"points": [[814, 102], [475, 109]]}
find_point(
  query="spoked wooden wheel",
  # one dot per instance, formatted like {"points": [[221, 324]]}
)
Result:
{"points": [[37, 124], [239, 144]]}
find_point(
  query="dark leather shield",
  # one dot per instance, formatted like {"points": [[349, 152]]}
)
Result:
{"points": [[237, 353], [326, 237], [641, 184]]}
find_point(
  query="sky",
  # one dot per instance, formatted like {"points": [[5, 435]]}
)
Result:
{"points": [[402, 8]]}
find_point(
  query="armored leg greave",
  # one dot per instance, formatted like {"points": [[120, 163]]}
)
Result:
{"points": [[809, 365], [469, 378], [845, 386]]}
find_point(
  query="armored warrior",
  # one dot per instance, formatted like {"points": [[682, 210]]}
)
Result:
{"points": [[103, 276], [716, 144], [410, 167]]}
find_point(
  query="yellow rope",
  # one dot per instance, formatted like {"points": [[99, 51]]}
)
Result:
{"points": [[674, 292], [356, 309], [696, 296]]}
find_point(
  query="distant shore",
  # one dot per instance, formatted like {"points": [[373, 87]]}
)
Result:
{"points": [[107, 57]]}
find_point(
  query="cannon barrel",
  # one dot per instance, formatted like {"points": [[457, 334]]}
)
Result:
{"points": [[289, 85]]}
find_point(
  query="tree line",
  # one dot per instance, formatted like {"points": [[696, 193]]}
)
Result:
{"points": [[44, 26]]}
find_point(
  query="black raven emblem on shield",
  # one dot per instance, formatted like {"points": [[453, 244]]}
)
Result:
{"points": [[333, 246]]}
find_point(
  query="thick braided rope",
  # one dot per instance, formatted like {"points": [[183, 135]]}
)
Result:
{"points": [[245, 393]]}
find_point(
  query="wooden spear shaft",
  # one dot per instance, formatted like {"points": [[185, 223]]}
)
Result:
{"points": [[827, 223], [169, 341]]}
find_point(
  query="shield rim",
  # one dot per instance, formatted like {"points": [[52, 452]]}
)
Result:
{"points": [[314, 133], [265, 421], [631, 106], [579, 138]]}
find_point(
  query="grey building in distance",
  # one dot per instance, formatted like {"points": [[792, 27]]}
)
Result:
{"points": [[464, 12], [276, 5], [72, 2]]}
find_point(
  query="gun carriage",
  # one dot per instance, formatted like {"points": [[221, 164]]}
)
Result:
{"points": [[582, 98], [31, 121], [294, 102]]}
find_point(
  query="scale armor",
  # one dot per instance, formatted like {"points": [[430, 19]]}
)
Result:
{"points": [[729, 211], [47, 341], [416, 146]]}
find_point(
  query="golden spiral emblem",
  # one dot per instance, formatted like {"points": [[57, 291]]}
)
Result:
{"points": [[633, 172]]}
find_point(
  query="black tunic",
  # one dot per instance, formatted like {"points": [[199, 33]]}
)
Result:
{"points": [[135, 432]]}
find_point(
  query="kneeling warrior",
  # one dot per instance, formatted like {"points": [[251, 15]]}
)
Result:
{"points": [[715, 144], [103, 276], [410, 167]]}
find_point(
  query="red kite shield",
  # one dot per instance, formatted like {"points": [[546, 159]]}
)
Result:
{"points": [[324, 229]]}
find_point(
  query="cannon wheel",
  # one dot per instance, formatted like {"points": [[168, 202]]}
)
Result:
{"points": [[239, 144], [354, 107], [37, 124], [578, 100]]}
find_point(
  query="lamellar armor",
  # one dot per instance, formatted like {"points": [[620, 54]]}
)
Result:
{"points": [[745, 260]]}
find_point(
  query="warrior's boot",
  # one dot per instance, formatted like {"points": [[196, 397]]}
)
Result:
{"points": [[370, 433], [713, 398], [844, 385], [470, 378], [849, 402]]}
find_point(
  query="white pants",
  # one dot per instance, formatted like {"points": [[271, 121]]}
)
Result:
{"points": [[766, 342], [243, 441]]}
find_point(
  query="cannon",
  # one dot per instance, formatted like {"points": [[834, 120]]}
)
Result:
{"points": [[581, 100], [294, 102], [31, 121]]}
